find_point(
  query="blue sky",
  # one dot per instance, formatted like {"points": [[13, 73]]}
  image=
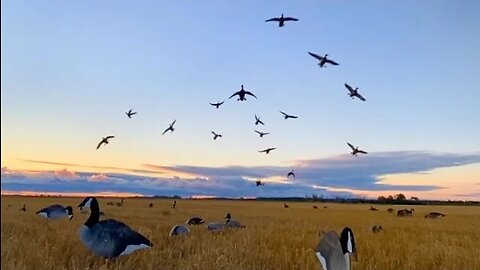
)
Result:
{"points": [[71, 70]]}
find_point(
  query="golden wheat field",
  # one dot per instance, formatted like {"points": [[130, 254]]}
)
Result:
{"points": [[275, 237]]}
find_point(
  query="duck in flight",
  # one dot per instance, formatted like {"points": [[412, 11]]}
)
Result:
{"points": [[241, 94], [292, 174], [355, 150], [104, 141], [323, 60], [261, 133], [354, 92], [215, 135], [286, 116], [258, 121], [267, 151], [259, 183], [281, 21], [170, 128], [130, 113], [217, 104]]}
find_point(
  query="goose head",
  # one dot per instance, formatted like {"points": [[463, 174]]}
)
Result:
{"points": [[69, 212]]}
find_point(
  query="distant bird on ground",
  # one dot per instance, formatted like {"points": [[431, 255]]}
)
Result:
{"points": [[267, 151], [179, 230], [258, 121], [334, 252], [390, 210], [109, 238], [285, 205], [195, 221], [355, 150], [110, 203], [354, 92], [325, 207], [170, 128], [405, 212], [292, 174], [286, 116], [23, 209], [376, 229], [434, 215], [323, 60], [372, 208], [259, 183], [241, 94], [281, 21], [231, 223], [56, 212], [315, 207], [261, 133], [130, 113], [120, 204], [150, 205], [9, 205], [215, 135], [174, 205], [218, 104], [104, 141]]}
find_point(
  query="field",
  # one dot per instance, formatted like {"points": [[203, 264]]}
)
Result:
{"points": [[275, 237]]}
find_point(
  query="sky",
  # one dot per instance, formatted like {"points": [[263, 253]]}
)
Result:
{"points": [[70, 71]]}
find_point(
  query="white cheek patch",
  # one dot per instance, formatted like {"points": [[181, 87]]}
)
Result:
{"points": [[43, 214], [70, 216], [131, 248], [349, 244], [322, 260], [87, 204]]}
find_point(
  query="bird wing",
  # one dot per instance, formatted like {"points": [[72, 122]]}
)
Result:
{"points": [[331, 62], [133, 113], [349, 88], [273, 20], [213, 132], [261, 151], [236, 93], [351, 146], [316, 56], [173, 123], [361, 151], [99, 144], [290, 19], [258, 131], [221, 103], [360, 97], [166, 130], [283, 113], [272, 148], [250, 93], [293, 116], [109, 137], [260, 121]]}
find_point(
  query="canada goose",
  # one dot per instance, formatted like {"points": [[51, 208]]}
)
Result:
{"points": [[130, 113], [174, 205], [334, 252], [434, 215], [215, 226], [110, 203], [150, 205], [56, 212], [170, 128], [231, 223], [323, 60], [261, 133], [109, 238], [267, 151], [405, 212], [286, 116], [390, 210], [217, 105], [377, 229], [241, 94], [179, 230], [285, 205], [258, 121], [292, 174], [215, 135], [259, 183], [23, 209], [104, 141], [315, 207], [372, 208], [281, 21], [354, 92], [120, 204], [195, 221], [355, 150]]}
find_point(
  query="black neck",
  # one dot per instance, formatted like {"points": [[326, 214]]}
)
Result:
{"points": [[94, 213]]}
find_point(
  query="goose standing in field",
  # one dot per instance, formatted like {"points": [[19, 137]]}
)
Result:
{"points": [[232, 223], [120, 204], [285, 205], [377, 229], [390, 210], [258, 121], [130, 113], [23, 209], [170, 128], [195, 221], [104, 141], [434, 215], [286, 116], [216, 135], [217, 105], [150, 205], [267, 151], [56, 212], [174, 205], [241, 94], [323, 60], [355, 150], [334, 252], [354, 92], [281, 20], [261, 133], [179, 230], [405, 212], [109, 238]]}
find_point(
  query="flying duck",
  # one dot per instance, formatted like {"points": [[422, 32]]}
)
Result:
{"points": [[170, 128], [281, 21], [258, 121], [56, 212], [130, 113], [109, 238], [354, 92], [179, 230], [334, 252], [217, 105], [195, 221], [104, 141], [267, 151], [261, 133], [355, 150], [323, 60], [215, 135], [259, 183], [286, 116], [241, 94]]}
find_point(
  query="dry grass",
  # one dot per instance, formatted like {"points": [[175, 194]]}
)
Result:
{"points": [[275, 238]]}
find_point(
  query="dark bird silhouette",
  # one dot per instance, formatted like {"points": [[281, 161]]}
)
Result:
{"points": [[170, 128], [217, 104], [285, 205], [315, 207], [241, 94], [150, 205], [104, 141], [354, 92], [174, 205], [281, 21], [286, 116], [261, 133], [323, 60], [372, 208], [130, 113], [291, 174], [259, 183], [377, 229], [258, 121], [355, 150], [267, 151], [119, 204], [215, 135], [23, 209]]}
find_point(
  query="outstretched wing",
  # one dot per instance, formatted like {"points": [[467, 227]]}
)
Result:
{"points": [[236, 93], [262, 151], [273, 20], [292, 116], [110, 137], [283, 113], [363, 152], [349, 88], [331, 62], [316, 56], [290, 19], [99, 144], [258, 132], [360, 97], [166, 130], [250, 93], [271, 149], [351, 146], [132, 113], [173, 123]]}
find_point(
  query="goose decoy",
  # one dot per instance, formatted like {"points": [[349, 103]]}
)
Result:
{"points": [[390, 210], [217, 105], [286, 116], [267, 151], [215, 135], [281, 20], [241, 94], [323, 60], [120, 204], [231, 223], [195, 221], [355, 150], [179, 230], [405, 212], [258, 121], [434, 215], [285, 205], [261, 133], [174, 205], [23, 209], [104, 141], [109, 238], [150, 205], [259, 183], [377, 229], [216, 226], [130, 113], [372, 208], [170, 128], [292, 174], [56, 212], [334, 252], [354, 92], [315, 207]]}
